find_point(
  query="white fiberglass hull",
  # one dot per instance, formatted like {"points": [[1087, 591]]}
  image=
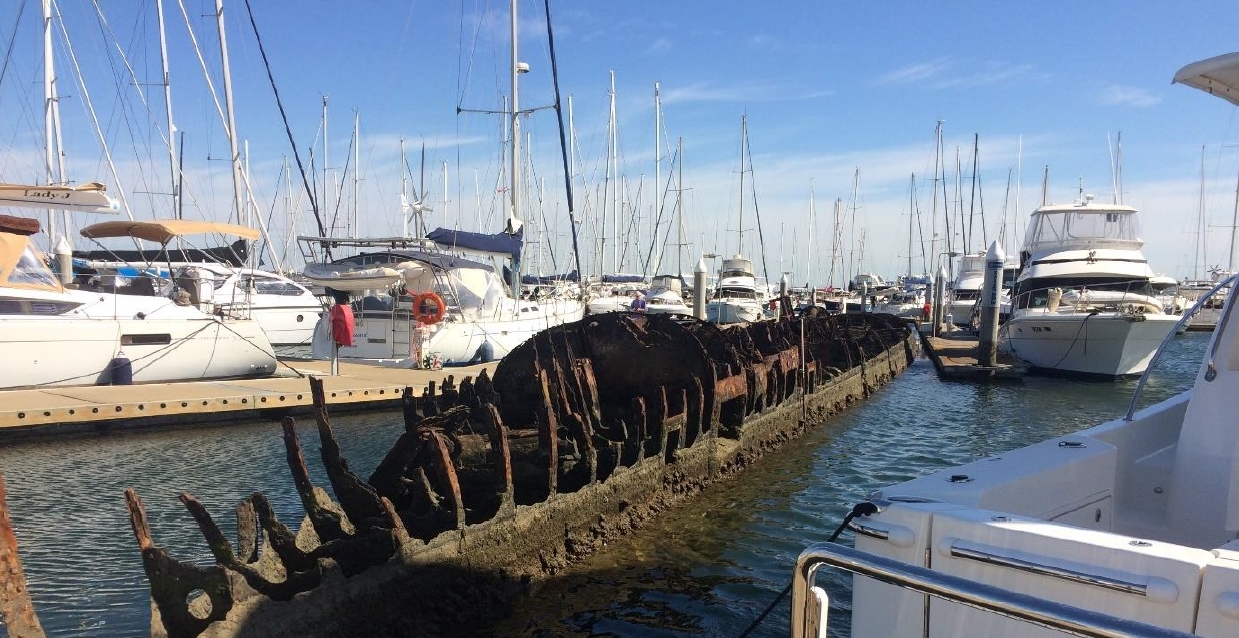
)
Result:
{"points": [[60, 351], [734, 311], [1106, 344], [391, 338], [286, 325]]}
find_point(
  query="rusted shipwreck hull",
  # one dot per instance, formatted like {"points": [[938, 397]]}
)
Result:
{"points": [[584, 431]]}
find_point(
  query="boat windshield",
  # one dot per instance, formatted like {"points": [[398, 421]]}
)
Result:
{"points": [[26, 268], [1095, 228]]}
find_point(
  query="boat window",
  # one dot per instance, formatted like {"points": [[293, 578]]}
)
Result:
{"points": [[145, 339], [31, 271]]}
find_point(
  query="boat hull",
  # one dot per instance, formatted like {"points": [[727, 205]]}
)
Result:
{"points": [[159, 350], [734, 311], [1103, 344], [389, 337]]}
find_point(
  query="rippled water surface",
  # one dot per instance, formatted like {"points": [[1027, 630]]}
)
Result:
{"points": [[708, 567]]}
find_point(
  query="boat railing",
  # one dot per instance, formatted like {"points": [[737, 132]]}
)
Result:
{"points": [[1211, 372], [1025, 298], [810, 603]]}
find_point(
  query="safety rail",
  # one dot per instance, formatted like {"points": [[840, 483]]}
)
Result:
{"points": [[1211, 372], [1006, 603]]}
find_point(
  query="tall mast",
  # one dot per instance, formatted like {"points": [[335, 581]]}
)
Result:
{"points": [[405, 207], [356, 170], [911, 212], [743, 135], [237, 176], [808, 253], [679, 207], [1202, 237], [1234, 225], [514, 223], [326, 178], [933, 209], [167, 98], [53, 147], [614, 159]]}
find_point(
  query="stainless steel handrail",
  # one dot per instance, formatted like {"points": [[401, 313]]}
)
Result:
{"points": [[1187, 316], [1045, 569], [1039, 611]]}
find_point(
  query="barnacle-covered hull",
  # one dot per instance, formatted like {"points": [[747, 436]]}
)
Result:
{"points": [[585, 431]]}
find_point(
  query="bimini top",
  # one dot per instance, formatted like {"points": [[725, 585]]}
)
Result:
{"points": [[1217, 76], [1084, 225], [164, 231]]}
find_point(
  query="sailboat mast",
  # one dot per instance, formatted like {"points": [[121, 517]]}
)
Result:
{"points": [[679, 207], [513, 220], [54, 157], [658, 157], [911, 212], [1202, 238], [356, 171], [167, 98], [743, 136], [933, 210], [237, 177], [615, 206], [1234, 225]]}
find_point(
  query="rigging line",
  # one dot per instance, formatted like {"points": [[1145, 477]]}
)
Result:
{"points": [[658, 217], [288, 131], [761, 239], [8, 53], [563, 144], [348, 159]]}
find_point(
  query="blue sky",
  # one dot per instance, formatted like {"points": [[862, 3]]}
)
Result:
{"points": [[828, 89]]}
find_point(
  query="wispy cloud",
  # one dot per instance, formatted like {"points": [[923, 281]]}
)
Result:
{"points": [[945, 73], [918, 72], [1120, 95], [742, 92], [661, 45]]}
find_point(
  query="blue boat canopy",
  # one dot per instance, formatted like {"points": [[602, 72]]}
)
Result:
{"points": [[497, 244]]}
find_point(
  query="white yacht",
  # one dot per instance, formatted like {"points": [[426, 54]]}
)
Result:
{"points": [[736, 297], [478, 319], [666, 297], [1083, 303], [286, 310], [56, 336], [1127, 528], [965, 290]]}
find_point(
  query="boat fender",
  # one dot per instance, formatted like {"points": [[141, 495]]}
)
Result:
{"points": [[428, 308], [485, 353], [121, 370]]}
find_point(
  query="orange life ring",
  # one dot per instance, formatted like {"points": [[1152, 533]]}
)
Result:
{"points": [[428, 308]]}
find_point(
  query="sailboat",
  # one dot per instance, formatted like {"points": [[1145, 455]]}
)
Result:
{"points": [[737, 298], [446, 305]]}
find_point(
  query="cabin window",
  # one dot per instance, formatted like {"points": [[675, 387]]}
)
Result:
{"points": [[146, 339]]}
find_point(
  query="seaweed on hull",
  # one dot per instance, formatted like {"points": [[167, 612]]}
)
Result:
{"points": [[586, 430]]}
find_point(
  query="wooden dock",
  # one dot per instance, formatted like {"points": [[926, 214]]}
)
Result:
{"points": [[955, 357], [64, 410]]}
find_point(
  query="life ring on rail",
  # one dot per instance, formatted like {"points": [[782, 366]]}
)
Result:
{"points": [[428, 308]]}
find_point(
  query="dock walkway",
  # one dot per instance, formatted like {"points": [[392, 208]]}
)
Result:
{"points": [[955, 357], [62, 410]]}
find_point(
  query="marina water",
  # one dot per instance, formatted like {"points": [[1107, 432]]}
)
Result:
{"points": [[708, 567]]}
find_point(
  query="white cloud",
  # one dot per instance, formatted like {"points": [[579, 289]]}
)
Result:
{"points": [[917, 72], [1120, 95], [742, 92]]}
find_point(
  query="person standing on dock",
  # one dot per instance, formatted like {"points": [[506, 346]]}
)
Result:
{"points": [[638, 302]]}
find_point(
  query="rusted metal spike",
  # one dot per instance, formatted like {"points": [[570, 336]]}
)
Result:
{"points": [[548, 426], [445, 472], [172, 581], [247, 531], [359, 501], [408, 406], [327, 524], [16, 608], [282, 539], [502, 452], [221, 549]]}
